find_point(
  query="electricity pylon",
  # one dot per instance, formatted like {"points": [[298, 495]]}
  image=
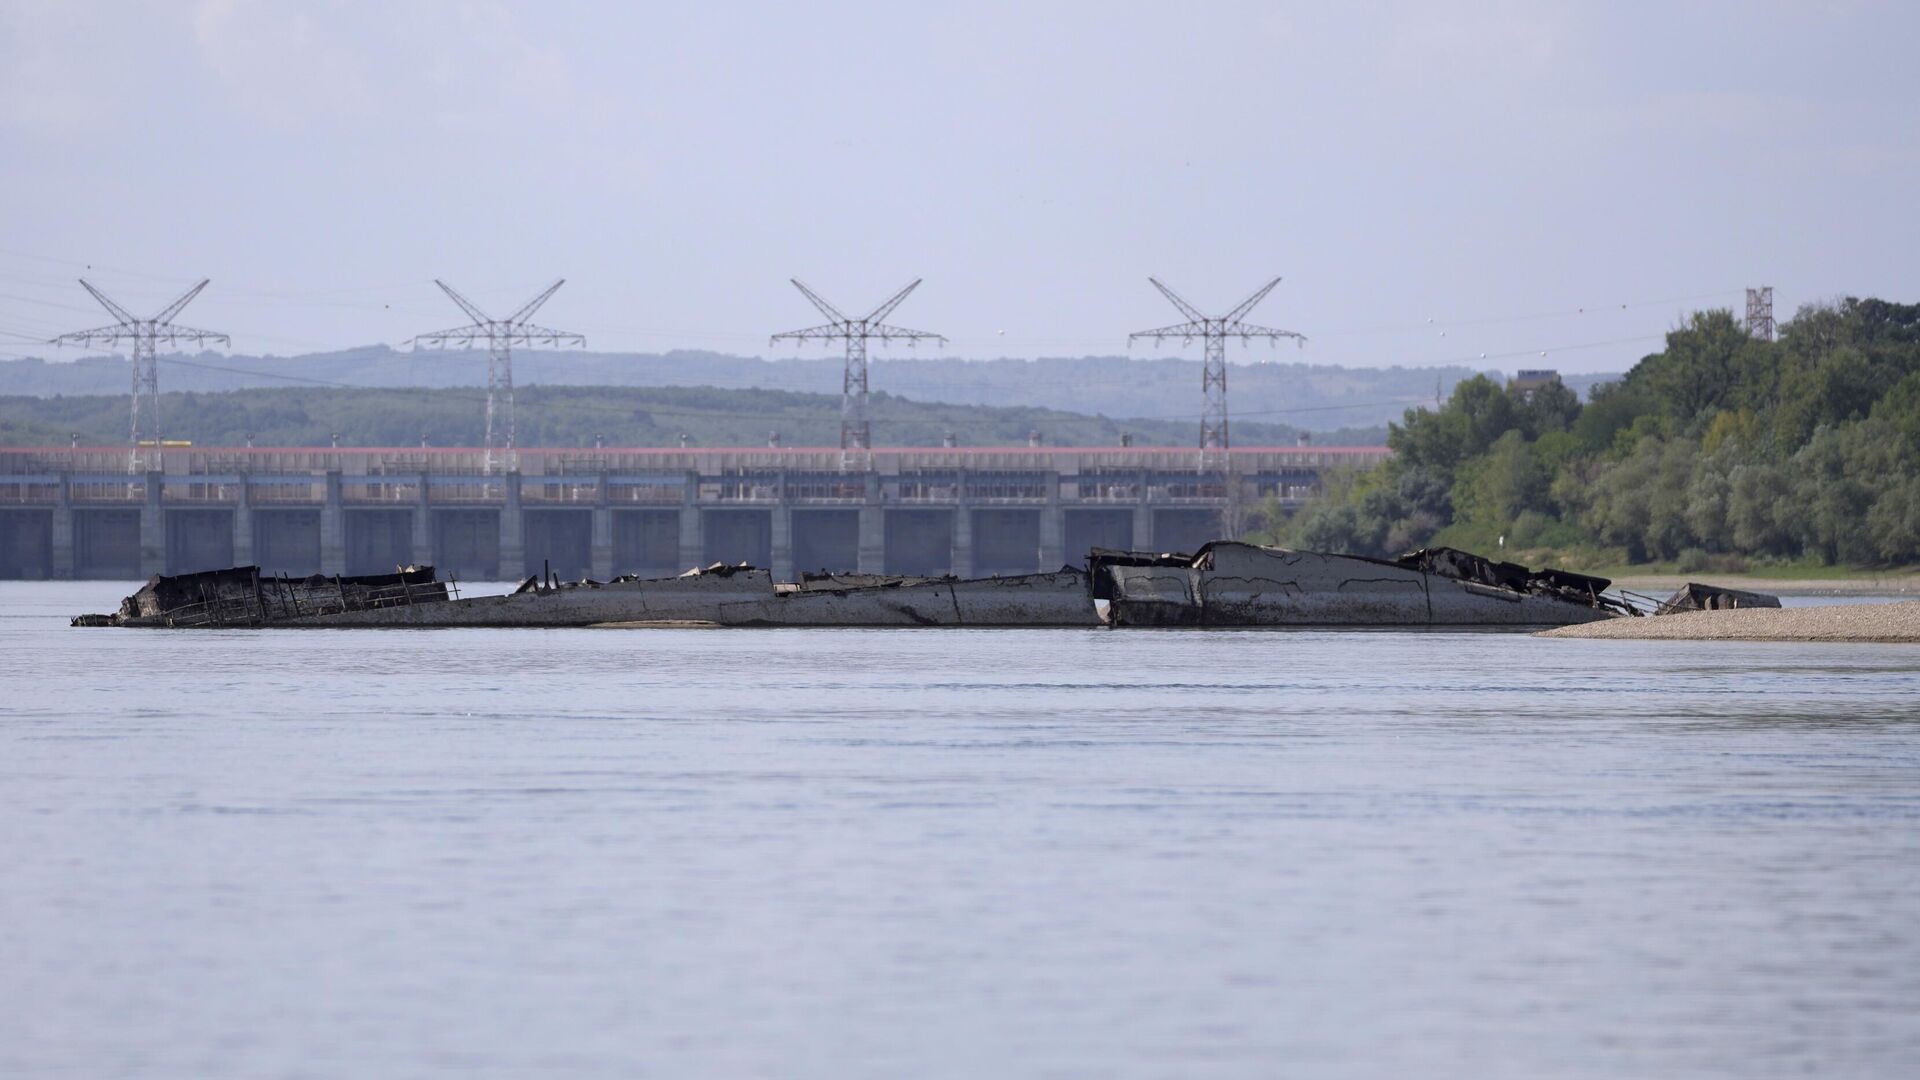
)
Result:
{"points": [[1214, 442], [856, 428], [501, 336], [145, 334], [1760, 312]]}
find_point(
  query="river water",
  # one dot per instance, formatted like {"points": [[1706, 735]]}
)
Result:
{"points": [[950, 853]]}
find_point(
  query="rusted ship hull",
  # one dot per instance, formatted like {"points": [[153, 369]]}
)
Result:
{"points": [[1241, 585], [242, 596], [688, 599], [717, 596], [1058, 599], [1034, 600], [1224, 584]]}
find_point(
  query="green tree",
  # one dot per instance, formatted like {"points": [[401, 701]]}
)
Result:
{"points": [[1893, 522], [1640, 502], [1758, 513], [1504, 483], [1479, 411], [1613, 408], [1701, 369]]}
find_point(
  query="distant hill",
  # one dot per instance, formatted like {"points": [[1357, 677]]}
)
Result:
{"points": [[575, 415], [1318, 398]]}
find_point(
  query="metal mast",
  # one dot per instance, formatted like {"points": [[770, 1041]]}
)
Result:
{"points": [[1760, 312], [501, 336], [856, 427], [1213, 376], [145, 334]]}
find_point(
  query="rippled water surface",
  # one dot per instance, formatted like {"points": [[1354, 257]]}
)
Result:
{"points": [[950, 853]]}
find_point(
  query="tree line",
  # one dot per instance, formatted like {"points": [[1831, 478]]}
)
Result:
{"points": [[1721, 445], [575, 416]]}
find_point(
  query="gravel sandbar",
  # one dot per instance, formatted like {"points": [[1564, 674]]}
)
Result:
{"points": [[1894, 584], [1897, 622]]}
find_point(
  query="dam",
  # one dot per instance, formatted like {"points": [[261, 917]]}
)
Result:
{"points": [[967, 511]]}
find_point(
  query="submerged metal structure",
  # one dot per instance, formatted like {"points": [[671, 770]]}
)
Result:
{"points": [[242, 596], [1223, 584], [719, 595], [1229, 584]]}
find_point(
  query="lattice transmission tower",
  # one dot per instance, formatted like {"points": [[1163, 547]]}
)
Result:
{"points": [[1214, 442], [501, 335], [1760, 312], [145, 335], [856, 426]]}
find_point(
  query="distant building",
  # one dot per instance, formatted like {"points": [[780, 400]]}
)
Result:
{"points": [[1526, 382]]}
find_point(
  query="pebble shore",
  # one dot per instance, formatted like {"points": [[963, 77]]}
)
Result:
{"points": [[1897, 622], [1890, 584]]}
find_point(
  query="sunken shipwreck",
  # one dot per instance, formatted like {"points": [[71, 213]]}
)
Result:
{"points": [[1223, 584]]}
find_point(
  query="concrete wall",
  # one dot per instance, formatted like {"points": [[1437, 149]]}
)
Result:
{"points": [[1088, 529], [198, 540], [1006, 542], [377, 541], [26, 543], [645, 542], [106, 544], [287, 541], [825, 540], [1184, 529], [919, 542], [736, 536], [466, 544], [560, 540], [476, 543], [300, 511]]}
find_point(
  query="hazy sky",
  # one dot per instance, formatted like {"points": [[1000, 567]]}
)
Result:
{"points": [[1493, 168]]}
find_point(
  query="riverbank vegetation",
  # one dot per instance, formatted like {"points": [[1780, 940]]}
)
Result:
{"points": [[1720, 452]]}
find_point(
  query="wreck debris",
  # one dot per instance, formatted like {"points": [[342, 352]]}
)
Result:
{"points": [[1467, 567], [1227, 583], [1223, 584], [1057, 599], [873, 600], [718, 595], [242, 596], [1694, 596], [830, 580]]}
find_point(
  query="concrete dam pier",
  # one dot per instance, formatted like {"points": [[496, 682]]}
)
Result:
{"points": [[969, 512]]}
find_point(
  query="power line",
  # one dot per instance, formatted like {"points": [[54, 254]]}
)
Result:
{"points": [[501, 336], [856, 427], [92, 266], [1495, 320], [145, 334], [297, 294], [1214, 331], [45, 303]]}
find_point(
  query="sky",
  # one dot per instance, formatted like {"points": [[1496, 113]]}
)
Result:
{"points": [[1502, 185]]}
